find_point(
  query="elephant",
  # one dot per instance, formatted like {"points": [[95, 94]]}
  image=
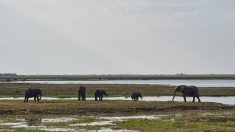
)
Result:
{"points": [[82, 93], [99, 94], [187, 91], [136, 95], [33, 92]]}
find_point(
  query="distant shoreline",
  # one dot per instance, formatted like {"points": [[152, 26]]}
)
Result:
{"points": [[114, 77]]}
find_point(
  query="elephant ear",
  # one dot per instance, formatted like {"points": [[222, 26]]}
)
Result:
{"points": [[182, 88]]}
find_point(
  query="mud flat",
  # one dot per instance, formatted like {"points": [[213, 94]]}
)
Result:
{"points": [[115, 115]]}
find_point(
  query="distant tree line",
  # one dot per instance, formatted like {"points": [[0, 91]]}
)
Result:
{"points": [[8, 74]]}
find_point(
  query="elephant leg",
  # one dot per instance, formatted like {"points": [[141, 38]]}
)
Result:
{"points": [[38, 98], [198, 99], [78, 96], [185, 99], [34, 98], [83, 97], [101, 98], [95, 98], [193, 98], [25, 99]]}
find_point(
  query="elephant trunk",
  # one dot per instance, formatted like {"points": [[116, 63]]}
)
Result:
{"points": [[174, 95], [40, 96]]}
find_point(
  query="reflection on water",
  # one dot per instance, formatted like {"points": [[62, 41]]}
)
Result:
{"points": [[98, 123], [52, 120], [111, 120], [33, 120], [200, 83]]}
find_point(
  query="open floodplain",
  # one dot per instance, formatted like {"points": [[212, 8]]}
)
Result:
{"points": [[64, 113]]}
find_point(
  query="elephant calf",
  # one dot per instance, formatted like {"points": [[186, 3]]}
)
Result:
{"points": [[33, 92], [82, 93], [135, 96], [99, 94], [187, 91]]}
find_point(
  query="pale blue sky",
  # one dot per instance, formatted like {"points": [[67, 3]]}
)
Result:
{"points": [[117, 36]]}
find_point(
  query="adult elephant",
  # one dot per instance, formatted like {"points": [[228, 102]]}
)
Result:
{"points": [[136, 95], [82, 93], [33, 92], [99, 94], [191, 91]]}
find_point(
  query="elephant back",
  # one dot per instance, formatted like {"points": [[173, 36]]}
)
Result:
{"points": [[135, 94], [99, 93], [81, 89]]}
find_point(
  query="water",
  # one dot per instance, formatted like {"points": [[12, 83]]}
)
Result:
{"points": [[200, 83], [112, 120], [228, 100], [44, 123]]}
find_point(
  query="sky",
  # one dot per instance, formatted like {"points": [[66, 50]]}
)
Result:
{"points": [[117, 36]]}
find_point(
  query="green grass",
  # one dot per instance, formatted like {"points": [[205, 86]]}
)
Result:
{"points": [[189, 122], [4, 127], [105, 107], [222, 121], [84, 120], [29, 130], [169, 125], [69, 90], [7, 119]]}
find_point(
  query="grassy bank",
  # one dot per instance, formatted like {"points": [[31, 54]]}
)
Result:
{"points": [[177, 116], [105, 107], [183, 123], [69, 90]]}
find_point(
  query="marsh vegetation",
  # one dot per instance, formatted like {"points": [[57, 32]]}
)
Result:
{"points": [[116, 116], [115, 90], [108, 115]]}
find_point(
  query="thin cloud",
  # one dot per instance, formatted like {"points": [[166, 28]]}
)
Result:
{"points": [[120, 36]]}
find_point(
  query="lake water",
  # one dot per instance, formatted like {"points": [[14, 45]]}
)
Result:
{"points": [[200, 83], [228, 100]]}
